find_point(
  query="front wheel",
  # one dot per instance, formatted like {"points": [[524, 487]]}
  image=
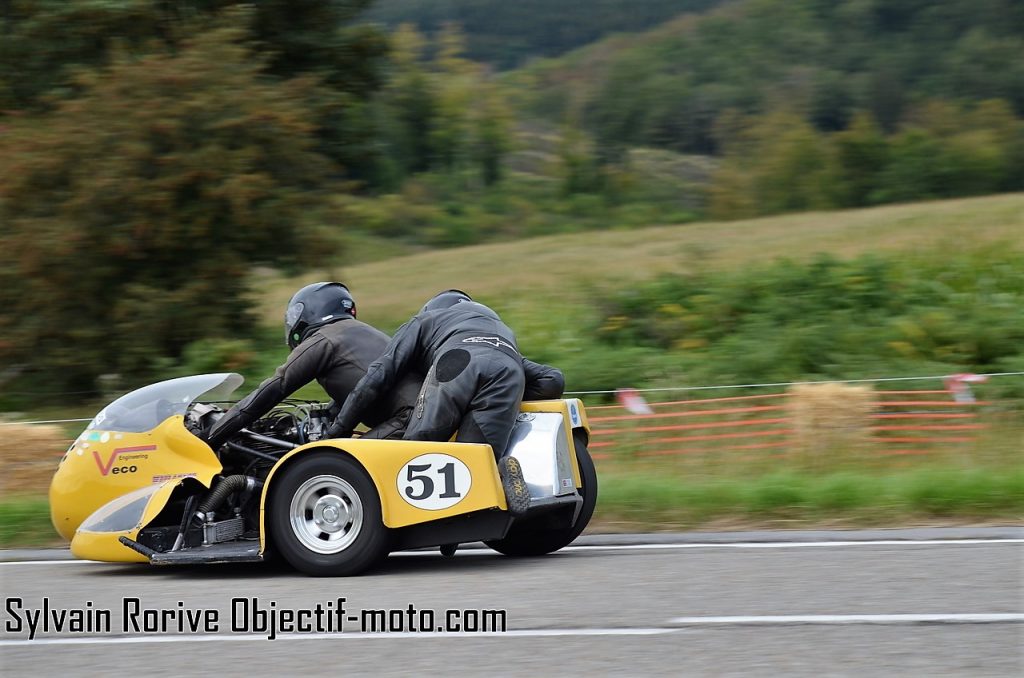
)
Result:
{"points": [[532, 536], [325, 516]]}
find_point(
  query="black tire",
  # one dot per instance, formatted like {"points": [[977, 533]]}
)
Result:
{"points": [[325, 516], [529, 537]]}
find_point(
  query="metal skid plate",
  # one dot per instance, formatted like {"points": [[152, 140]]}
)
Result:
{"points": [[228, 552]]}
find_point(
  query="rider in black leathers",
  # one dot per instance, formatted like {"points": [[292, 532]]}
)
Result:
{"points": [[328, 344], [476, 377]]}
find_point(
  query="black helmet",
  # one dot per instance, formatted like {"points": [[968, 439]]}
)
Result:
{"points": [[315, 306], [445, 299]]}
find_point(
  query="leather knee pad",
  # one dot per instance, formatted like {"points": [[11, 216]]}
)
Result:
{"points": [[451, 364]]}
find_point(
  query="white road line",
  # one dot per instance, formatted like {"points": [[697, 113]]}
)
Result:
{"points": [[773, 620], [796, 544], [56, 562], [650, 547], [248, 637], [854, 619]]}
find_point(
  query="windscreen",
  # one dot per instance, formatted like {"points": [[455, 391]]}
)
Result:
{"points": [[144, 409]]}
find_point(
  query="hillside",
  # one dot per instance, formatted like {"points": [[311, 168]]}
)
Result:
{"points": [[824, 61], [505, 34], [553, 272]]}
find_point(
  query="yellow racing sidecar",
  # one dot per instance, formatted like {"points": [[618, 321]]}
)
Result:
{"points": [[138, 485]]}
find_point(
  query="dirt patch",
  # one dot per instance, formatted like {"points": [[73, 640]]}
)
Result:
{"points": [[28, 457]]}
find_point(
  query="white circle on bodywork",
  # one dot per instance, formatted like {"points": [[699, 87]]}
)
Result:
{"points": [[434, 482]]}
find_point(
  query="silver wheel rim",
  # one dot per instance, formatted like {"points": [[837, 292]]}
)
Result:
{"points": [[326, 514]]}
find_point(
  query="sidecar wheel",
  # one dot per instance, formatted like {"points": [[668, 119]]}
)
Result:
{"points": [[529, 537], [325, 516]]}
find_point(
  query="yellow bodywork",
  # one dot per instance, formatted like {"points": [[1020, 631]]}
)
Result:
{"points": [[383, 460], [103, 465], [106, 546]]}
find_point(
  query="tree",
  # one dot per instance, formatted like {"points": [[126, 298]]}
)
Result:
{"points": [[782, 163], [443, 113], [410, 102], [861, 154], [490, 135], [45, 44], [134, 211]]}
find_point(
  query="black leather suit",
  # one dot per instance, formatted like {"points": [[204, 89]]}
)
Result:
{"points": [[337, 355], [476, 377]]}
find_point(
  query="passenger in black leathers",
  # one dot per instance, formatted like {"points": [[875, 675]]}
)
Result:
{"points": [[329, 345], [476, 377]]}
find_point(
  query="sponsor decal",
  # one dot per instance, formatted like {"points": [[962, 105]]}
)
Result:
{"points": [[171, 476], [108, 468], [496, 342], [574, 414]]}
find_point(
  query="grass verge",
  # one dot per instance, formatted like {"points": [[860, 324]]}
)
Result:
{"points": [[649, 501], [853, 498], [25, 521]]}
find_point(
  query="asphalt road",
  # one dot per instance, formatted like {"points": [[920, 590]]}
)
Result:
{"points": [[934, 603]]}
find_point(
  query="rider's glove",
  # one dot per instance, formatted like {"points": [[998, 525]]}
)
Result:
{"points": [[337, 431]]}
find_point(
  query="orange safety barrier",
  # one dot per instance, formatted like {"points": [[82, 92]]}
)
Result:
{"points": [[931, 427], [692, 413], [714, 424], [935, 419], [931, 403], [939, 439], [725, 436], [697, 401], [925, 415], [693, 427], [757, 446]]}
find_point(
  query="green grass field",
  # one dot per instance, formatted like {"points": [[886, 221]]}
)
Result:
{"points": [[551, 272]]}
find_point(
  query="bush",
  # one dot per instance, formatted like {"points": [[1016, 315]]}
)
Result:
{"points": [[944, 312]]}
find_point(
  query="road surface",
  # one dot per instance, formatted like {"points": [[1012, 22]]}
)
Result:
{"points": [[932, 602]]}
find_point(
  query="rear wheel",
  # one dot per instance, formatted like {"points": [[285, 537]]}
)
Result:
{"points": [[534, 536], [325, 516]]}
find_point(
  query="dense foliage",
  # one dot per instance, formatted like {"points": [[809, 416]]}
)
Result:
{"points": [[134, 211], [507, 33], [813, 104], [779, 163], [928, 313], [825, 61]]}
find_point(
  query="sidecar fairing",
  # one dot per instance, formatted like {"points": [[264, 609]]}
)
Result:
{"points": [[327, 506]]}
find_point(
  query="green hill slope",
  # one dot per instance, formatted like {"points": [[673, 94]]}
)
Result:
{"points": [[507, 33], [553, 272], [822, 60]]}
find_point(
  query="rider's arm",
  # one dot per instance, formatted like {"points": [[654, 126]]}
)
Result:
{"points": [[380, 377], [302, 367], [543, 382]]}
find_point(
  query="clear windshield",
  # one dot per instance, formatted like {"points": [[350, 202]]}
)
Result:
{"points": [[144, 409]]}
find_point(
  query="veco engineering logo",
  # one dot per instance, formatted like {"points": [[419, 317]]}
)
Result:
{"points": [[109, 468]]}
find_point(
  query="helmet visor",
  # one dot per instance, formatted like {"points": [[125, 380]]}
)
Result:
{"points": [[291, 317]]}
